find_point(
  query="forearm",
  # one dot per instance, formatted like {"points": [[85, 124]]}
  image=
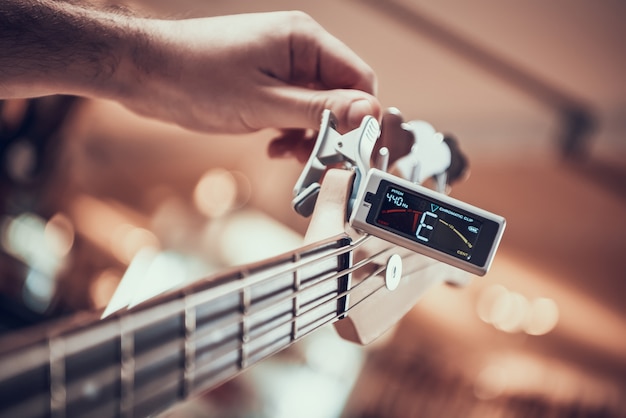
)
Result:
{"points": [[231, 74], [50, 47]]}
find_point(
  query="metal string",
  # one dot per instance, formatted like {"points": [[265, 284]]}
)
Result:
{"points": [[334, 299]]}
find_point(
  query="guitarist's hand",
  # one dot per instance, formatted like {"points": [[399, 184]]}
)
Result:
{"points": [[230, 74]]}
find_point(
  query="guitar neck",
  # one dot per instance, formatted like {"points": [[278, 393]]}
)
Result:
{"points": [[141, 361]]}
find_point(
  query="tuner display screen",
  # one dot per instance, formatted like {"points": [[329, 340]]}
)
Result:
{"points": [[426, 222], [429, 222]]}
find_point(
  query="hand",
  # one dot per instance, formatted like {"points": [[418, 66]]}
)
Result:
{"points": [[243, 73]]}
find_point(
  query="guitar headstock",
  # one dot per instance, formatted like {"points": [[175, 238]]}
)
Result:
{"points": [[411, 150]]}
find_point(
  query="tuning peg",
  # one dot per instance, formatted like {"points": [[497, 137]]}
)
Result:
{"points": [[382, 162], [414, 177], [394, 136], [459, 166], [429, 155], [441, 182]]}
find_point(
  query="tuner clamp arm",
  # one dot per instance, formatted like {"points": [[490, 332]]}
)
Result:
{"points": [[429, 155], [353, 149]]}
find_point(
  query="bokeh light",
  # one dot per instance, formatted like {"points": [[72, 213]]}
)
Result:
{"points": [[490, 382], [544, 315], [59, 234], [127, 240], [103, 287], [513, 312], [216, 193]]}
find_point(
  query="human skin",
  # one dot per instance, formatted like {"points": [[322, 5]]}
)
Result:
{"points": [[227, 74]]}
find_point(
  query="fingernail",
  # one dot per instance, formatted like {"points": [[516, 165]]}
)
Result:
{"points": [[358, 110]]}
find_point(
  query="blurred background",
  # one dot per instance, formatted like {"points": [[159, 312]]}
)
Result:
{"points": [[534, 91]]}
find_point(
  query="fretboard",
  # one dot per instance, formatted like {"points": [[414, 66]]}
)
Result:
{"points": [[141, 361]]}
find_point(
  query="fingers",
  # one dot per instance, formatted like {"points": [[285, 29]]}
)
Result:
{"points": [[298, 107], [281, 72], [337, 78], [319, 58], [347, 84], [296, 143]]}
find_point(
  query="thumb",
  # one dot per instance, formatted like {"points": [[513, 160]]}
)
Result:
{"points": [[299, 107]]}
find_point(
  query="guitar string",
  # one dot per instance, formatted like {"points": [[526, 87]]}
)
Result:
{"points": [[334, 299], [112, 333], [225, 325], [308, 288], [353, 304], [194, 290], [321, 323], [319, 283], [219, 354]]}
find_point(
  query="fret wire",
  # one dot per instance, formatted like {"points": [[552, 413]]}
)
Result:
{"points": [[217, 354], [189, 347], [127, 367], [57, 346], [334, 299], [246, 296], [222, 353], [292, 320], [296, 304], [246, 300], [308, 287], [318, 323], [203, 296], [330, 320], [335, 317], [146, 317], [58, 390], [317, 283], [324, 322], [304, 334], [143, 318], [320, 282], [291, 296], [343, 294]]}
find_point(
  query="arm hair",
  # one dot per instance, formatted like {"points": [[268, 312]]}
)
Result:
{"points": [[50, 47]]}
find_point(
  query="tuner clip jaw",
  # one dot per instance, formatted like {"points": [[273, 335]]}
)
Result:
{"points": [[353, 149]]}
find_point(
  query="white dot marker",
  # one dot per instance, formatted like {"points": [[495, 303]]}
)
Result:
{"points": [[393, 274]]}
